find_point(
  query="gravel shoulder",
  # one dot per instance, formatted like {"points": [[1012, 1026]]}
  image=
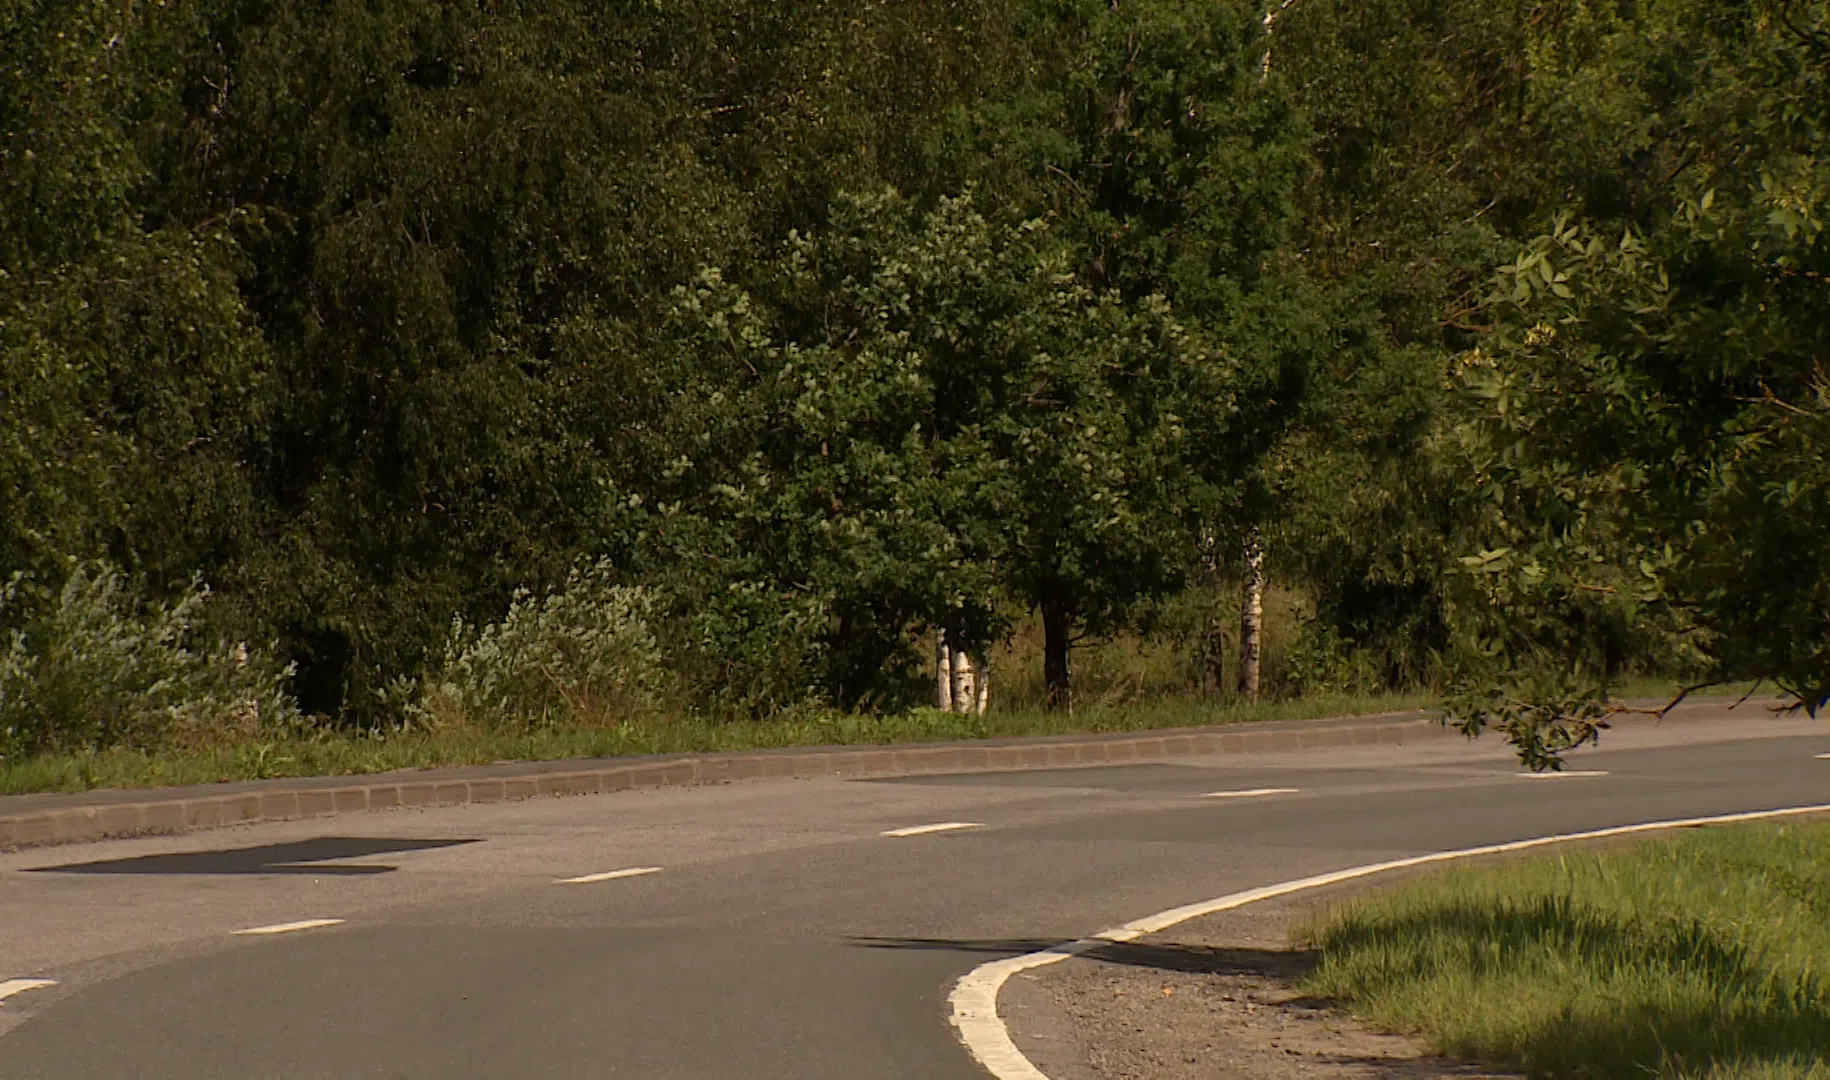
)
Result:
{"points": [[1214, 997]]}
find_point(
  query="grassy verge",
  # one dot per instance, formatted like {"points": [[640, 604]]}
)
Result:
{"points": [[331, 753], [1702, 955]]}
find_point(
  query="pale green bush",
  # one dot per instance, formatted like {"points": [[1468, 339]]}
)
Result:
{"points": [[94, 666], [582, 653]]}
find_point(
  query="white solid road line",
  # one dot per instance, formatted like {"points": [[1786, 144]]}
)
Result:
{"points": [[1563, 775], [923, 830], [975, 997], [289, 927], [608, 875], [20, 986], [1249, 793]]}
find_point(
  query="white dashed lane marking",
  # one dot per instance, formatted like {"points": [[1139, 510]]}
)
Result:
{"points": [[20, 986], [1250, 793], [608, 875], [290, 927], [944, 826]]}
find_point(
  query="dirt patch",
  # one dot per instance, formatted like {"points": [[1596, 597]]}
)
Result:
{"points": [[1214, 997]]}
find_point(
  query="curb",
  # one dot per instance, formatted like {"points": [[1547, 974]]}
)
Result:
{"points": [[974, 998], [183, 810]]}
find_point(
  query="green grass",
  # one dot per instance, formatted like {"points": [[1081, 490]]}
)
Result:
{"points": [[334, 753], [1701, 955]]}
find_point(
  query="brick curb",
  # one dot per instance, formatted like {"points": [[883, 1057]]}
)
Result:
{"points": [[187, 809]]}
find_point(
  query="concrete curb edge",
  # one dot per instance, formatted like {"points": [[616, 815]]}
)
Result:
{"points": [[184, 812]]}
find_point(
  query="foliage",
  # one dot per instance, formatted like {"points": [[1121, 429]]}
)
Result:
{"points": [[369, 314], [134, 386], [581, 654], [368, 369], [943, 422], [1423, 166], [1645, 429], [94, 666]]}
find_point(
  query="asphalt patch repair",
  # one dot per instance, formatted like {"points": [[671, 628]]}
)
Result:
{"points": [[1213, 997]]}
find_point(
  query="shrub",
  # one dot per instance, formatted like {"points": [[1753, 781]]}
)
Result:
{"points": [[97, 666], [583, 653]]}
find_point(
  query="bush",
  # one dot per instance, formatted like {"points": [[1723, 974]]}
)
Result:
{"points": [[1321, 661], [97, 666], [583, 653], [746, 650]]}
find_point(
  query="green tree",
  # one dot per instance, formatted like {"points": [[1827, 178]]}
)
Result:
{"points": [[133, 381], [921, 416], [1148, 134], [1645, 425]]}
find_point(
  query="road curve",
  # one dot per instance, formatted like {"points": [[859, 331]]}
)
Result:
{"points": [[800, 929]]}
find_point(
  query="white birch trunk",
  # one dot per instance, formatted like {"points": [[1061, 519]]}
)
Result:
{"points": [[963, 691], [984, 680], [1270, 21], [943, 668], [1251, 618]]}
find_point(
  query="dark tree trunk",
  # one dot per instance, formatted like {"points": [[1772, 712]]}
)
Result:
{"points": [[1057, 625]]}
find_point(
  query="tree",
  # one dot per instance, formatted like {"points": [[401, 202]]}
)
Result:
{"points": [[134, 384], [919, 416], [1645, 425], [1146, 131], [430, 230]]}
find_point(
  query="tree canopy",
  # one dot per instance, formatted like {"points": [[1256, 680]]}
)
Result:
{"points": [[825, 326]]}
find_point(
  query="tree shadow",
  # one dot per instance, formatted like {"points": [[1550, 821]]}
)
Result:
{"points": [[1676, 998], [1286, 965], [1280, 969], [297, 857]]}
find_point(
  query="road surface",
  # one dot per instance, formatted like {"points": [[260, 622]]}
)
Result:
{"points": [[760, 929]]}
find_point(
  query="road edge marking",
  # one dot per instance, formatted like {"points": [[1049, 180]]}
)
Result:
{"points": [[974, 999], [288, 927], [9, 987], [608, 875], [1572, 774], [1251, 793], [938, 827]]}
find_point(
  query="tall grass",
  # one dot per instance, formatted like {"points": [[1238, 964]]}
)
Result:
{"points": [[1131, 669], [1697, 956]]}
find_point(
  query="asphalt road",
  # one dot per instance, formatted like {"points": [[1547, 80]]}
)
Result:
{"points": [[782, 935]]}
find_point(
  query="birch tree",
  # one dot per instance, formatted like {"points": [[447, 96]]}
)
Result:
{"points": [[1251, 619]]}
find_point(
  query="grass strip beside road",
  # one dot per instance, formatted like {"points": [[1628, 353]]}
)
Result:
{"points": [[1702, 955], [330, 752]]}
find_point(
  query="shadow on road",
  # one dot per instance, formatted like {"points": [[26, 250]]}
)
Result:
{"points": [[1192, 959], [299, 857]]}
